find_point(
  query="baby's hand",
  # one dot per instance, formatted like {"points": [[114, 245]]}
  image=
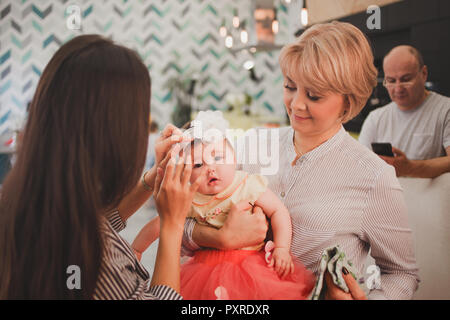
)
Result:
{"points": [[282, 261]]}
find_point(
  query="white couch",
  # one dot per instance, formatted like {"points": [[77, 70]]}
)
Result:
{"points": [[428, 202]]}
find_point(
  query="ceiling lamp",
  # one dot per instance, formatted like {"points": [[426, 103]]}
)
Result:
{"points": [[244, 32], [235, 18], [275, 23], [255, 33], [304, 15]]}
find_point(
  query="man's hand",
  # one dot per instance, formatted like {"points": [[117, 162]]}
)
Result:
{"points": [[400, 162], [429, 168]]}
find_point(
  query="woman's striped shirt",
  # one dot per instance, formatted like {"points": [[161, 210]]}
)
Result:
{"points": [[122, 276]]}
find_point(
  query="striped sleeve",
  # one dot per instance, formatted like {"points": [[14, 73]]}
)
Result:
{"points": [[385, 227], [165, 293], [116, 221], [121, 275]]}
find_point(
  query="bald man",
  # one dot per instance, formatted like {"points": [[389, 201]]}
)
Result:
{"points": [[416, 122]]}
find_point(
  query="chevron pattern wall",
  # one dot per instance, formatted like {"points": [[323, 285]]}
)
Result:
{"points": [[173, 37]]}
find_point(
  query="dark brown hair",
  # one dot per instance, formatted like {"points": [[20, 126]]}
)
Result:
{"points": [[83, 149]]}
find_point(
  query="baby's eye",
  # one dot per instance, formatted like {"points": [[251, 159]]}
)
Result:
{"points": [[198, 165], [217, 158]]}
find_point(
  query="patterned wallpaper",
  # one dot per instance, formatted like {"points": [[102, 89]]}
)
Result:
{"points": [[173, 37]]}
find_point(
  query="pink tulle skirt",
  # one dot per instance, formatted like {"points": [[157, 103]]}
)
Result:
{"points": [[241, 275]]}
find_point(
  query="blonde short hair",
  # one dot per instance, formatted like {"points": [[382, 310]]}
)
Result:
{"points": [[333, 57]]}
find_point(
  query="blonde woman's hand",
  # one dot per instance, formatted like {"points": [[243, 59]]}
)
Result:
{"points": [[242, 228], [333, 292]]}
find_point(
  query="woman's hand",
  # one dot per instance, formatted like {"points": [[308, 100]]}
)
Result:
{"points": [[137, 197], [333, 292], [173, 193], [169, 137], [242, 228]]}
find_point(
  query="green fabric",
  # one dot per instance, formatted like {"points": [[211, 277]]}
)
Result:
{"points": [[333, 260]]}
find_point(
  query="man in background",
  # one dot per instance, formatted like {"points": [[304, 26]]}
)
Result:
{"points": [[416, 122]]}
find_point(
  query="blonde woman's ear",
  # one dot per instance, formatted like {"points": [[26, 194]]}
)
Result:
{"points": [[346, 110]]}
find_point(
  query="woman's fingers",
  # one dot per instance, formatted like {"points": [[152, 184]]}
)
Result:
{"points": [[187, 171], [158, 180], [166, 159], [168, 174], [164, 162], [163, 145], [199, 181], [334, 292], [175, 151], [163, 173], [170, 130], [169, 145], [179, 169], [241, 206], [355, 290]]}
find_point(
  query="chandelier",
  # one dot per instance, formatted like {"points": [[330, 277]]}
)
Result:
{"points": [[259, 30]]}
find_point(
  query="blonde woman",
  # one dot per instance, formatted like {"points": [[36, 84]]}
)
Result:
{"points": [[337, 191]]}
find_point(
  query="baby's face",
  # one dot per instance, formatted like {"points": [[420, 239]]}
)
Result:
{"points": [[220, 163]]}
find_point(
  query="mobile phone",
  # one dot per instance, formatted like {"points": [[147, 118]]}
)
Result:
{"points": [[382, 148]]}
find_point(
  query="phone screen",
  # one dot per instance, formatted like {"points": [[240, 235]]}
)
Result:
{"points": [[382, 148]]}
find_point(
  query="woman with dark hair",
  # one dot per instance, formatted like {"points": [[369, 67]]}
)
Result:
{"points": [[77, 177]]}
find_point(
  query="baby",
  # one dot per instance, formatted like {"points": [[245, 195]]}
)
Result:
{"points": [[246, 273]]}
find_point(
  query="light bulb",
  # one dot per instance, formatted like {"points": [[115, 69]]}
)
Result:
{"points": [[304, 17], [249, 64], [235, 19], [244, 36], [275, 26], [236, 22], [223, 31], [229, 41]]}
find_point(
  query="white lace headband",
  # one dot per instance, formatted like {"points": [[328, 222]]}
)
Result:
{"points": [[208, 126]]}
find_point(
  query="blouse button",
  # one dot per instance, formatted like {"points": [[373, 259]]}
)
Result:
{"points": [[282, 194]]}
